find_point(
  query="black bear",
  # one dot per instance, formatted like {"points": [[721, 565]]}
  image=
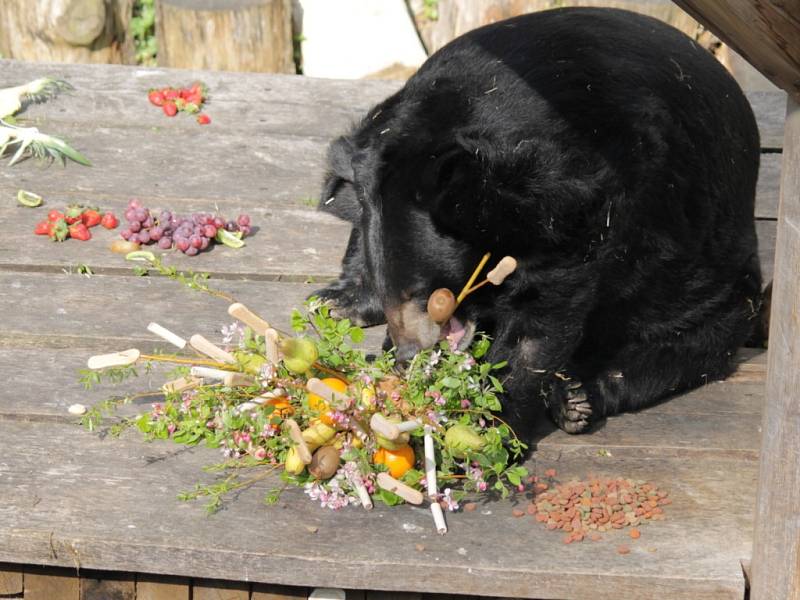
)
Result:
{"points": [[613, 157]]}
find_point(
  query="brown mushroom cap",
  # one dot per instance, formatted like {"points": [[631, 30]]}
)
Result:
{"points": [[441, 305]]}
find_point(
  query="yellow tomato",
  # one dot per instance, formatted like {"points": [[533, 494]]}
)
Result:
{"points": [[318, 404], [398, 461], [282, 407]]}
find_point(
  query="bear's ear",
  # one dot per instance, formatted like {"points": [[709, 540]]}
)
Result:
{"points": [[457, 184], [338, 196]]}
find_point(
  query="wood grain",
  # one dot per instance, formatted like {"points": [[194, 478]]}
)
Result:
{"points": [[263, 591], [776, 545], [11, 580], [209, 589], [107, 586], [50, 584], [765, 32], [160, 587]]}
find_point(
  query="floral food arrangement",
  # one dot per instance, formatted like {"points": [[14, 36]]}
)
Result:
{"points": [[347, 429]]}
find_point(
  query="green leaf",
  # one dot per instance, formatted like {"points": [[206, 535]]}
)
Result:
{"points": [[451, 382]]}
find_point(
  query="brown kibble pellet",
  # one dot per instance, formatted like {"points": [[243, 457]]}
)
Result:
{"points": [[470, 506], [623, 549], [517, 512], [595, 537], [635, 533], [540, 487], [531, 509], [550, 473]]}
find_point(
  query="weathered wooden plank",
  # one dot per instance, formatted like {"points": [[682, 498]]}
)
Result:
{"points": [[113, 501], [115, 95], [108, 586], [765, 33], [160, 587], [767, 189], [262, 591], [43, 583], [776, 547], [298, 244], [11, 580], [208, 589]]}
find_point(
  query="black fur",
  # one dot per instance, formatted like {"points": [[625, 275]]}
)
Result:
{"points": [[607, 152]]}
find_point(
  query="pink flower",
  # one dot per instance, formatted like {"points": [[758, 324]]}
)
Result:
{"points": [[465, 403], [260, 453], [171, 428]]}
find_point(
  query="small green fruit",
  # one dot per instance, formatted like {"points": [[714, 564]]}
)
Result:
{"points": [[393, 444], [462, 439], [293, 465], [251, 363], [299, 354]]}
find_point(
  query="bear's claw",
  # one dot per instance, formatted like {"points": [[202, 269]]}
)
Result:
{"points": [[572, 410]]}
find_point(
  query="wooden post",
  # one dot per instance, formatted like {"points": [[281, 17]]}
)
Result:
{"points": [[228, 35], [776, 545], [65, 30]]}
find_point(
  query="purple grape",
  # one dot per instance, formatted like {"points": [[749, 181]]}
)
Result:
{"points": [[165, 243], [134, 226], [134, 204], [165, 216], [191, 251], [144, 236], [209, 231], [182, 244], [134, 238], [245, 229], [126, 234], [148, 222], [195, 241], [130, 215], [156, 233], [204, 243], [243, 220], [219, 222], [232, 226], [140, 214]]}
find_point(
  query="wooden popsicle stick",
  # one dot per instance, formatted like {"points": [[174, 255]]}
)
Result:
{"points": [[201, 344], [239, 311], [379, 424], [297, 437], [362, 492], [504, 268], [321, 389], [234, 378], [181, 384], [166, 335], [410, 425], [208, 373], [430, 465], [409, 494], [271, 342], [115, 359]]}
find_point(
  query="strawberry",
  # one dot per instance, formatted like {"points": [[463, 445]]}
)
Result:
{"points": [[54, 215], [155, 97], [195, 98], [79, 231], [171, 94], [90, 217], [184, 92], [73, 214], [198, 88], [203, 119], [169, 108], [58, 230], [42, 228], [109, 221]]}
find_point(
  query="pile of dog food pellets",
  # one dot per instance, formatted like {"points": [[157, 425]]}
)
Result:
{"points": [[585, 509]]}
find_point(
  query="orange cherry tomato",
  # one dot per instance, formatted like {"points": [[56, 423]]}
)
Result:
{"points": [[318, 404], [398, 461]]}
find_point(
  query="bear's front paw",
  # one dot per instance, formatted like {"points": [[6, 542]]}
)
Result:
{"points": [[348, 303], [569, 406]]}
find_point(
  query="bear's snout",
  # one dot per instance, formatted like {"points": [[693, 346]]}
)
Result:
{"points": [[411, 329]]}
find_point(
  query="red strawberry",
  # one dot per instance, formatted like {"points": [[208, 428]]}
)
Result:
{"points": [[198, 88], [171, 94], [79, 231], [203, 119], [109, 221], [195, 98], [169, 108], [90, 217], [155, 97], [184, 92], [73, 214], [42, 228], [54, 215], [58, 230]]}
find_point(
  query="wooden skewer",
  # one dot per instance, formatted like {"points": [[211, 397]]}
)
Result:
{"points": [[438, 518], [389, 483], [115, 359], [327, 393], [166, 335], [410, 425], [297, 437], [432, 485], [201, 344], [362, 492], [208, 373], [473, 277], [239, 311]]}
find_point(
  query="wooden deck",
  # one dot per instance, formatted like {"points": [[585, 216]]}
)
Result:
{"points": [[73, 499]]}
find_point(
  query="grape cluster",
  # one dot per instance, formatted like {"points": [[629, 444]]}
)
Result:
{"points": [[190, 234]]}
